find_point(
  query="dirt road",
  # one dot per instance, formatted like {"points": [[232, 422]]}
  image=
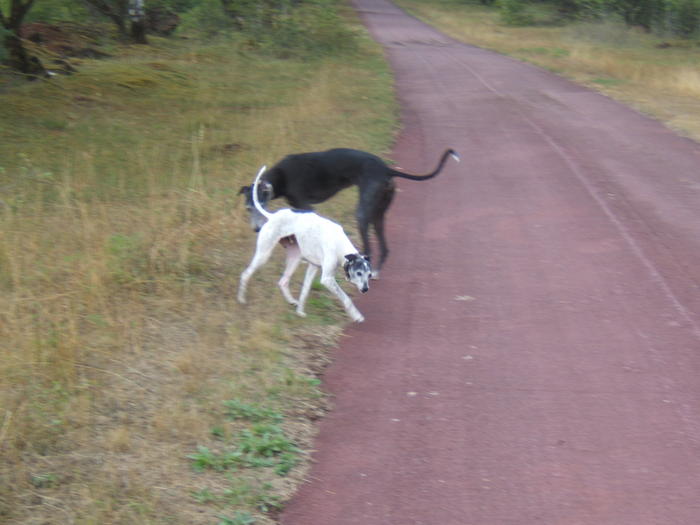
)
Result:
{"points": [[531, 354]]}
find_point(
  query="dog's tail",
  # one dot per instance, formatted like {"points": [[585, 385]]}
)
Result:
{"points": [[448, 153], [256, 201]]}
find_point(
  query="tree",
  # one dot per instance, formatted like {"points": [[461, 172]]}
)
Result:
{"points": [[137, 14], [18, 57], [642, 13], [128, 15], [115, 10]]}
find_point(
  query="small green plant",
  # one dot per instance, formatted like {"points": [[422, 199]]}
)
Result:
{"points": [[265, 441], [261, 446], [245, 493], [204, 459], [237, 409], [218, 432], [204, 496], [266, 500], [293, 379], [287, 462], [43, 481], [607, 81], [322, 307], [239, 518]]}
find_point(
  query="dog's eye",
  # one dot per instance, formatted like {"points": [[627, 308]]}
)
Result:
{"points": [[359, 274]]}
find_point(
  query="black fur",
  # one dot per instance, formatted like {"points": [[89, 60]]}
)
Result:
{"points": [[305, 179]]}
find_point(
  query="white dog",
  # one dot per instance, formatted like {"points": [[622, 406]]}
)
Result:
{"points": [[319, 241]]}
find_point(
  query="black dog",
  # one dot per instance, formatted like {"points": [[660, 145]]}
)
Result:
{"points": [[309, 178]]}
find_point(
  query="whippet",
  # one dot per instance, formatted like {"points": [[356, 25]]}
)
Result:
{"points": [[310, 178], [320, 241]]}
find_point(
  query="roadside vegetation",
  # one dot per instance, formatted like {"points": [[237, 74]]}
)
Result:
{"points": [[133, 388], [644, 53]]}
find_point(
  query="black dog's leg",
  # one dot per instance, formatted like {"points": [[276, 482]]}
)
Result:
{"points": [[363, 218], [375, 197], [378, 223]]}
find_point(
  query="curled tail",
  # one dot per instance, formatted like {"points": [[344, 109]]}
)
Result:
{"points": [[256, 201], [448, 153]]}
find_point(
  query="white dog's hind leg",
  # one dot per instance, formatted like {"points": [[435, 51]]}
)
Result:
{"points": [[328, 280], [308, 280], [293, 260]]}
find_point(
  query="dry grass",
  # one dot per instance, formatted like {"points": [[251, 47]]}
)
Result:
{"points": [[121, 241], [657, 77]]}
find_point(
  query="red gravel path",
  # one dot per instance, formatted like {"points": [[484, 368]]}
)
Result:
{"points": [[531, 354]]}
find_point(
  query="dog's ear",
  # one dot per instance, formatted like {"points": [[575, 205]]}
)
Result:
{"points": [[346, 265], [366, 258]]}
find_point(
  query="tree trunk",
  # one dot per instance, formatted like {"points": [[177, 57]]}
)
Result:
{"points": [[19, 59], [137, 13], [115, 10]]}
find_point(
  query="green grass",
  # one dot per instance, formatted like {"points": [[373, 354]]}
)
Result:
{"points": [[122, 237], [239, 518], [237, 409]]}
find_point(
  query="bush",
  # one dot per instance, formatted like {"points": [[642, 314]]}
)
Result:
{"points": [[515, 12], [279, 27], [590, 9], [207, 17], [51, 11], [4, 55], [312, 29], [683, 17]]}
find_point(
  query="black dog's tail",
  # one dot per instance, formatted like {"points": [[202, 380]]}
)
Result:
{"points": [[448, 153]]}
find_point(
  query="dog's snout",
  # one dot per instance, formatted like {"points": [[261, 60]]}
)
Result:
{"points": [[365, 289]]}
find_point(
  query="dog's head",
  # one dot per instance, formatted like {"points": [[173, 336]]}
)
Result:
{"points": [[358, 270], [265, 194]]}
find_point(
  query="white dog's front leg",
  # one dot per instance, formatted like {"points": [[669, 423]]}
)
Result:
{"points": [[328, 280], [308, 280], [263, 251], [243, 284]]}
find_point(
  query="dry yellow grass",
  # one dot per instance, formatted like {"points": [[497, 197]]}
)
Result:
{"points": [[622, 62], [121, 242]]}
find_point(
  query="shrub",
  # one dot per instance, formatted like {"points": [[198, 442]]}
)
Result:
{"points": [[315, 28], [683, 17], [515, 12], [207, 17], [281, 28]]}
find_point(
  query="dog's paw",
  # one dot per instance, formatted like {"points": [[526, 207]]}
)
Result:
{"points": [[375, 275], [301, 313], [358, 318], [241, 300]]}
